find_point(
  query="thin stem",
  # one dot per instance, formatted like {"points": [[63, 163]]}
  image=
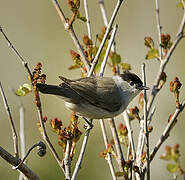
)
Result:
{"points": [[166, 132], [12, 124], [108, 158], [159, 28], [103, 11], [105, 20], [120, 158], [130, 134], [22, 137], [151, 115], [28, 173], [67, 160], [24, 63], [82, 152], [27, 154], [22, 134], [108, 50], [164, 62], [46, 137], [146, 124], [88, 20], [109, 27], [140, 143], [71, 31]]}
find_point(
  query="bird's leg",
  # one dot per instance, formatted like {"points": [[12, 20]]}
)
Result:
{"points": [[89, 124]]}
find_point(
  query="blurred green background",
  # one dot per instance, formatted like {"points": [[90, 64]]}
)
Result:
{"points": [[37, 32]]}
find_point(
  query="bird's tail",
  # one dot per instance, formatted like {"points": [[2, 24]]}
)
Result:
{"points": [[50, 89]]}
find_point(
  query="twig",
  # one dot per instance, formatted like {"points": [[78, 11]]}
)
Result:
{"points": [[120, 158], [24, 63], [82, 151], [28, 173], [14, 132], [151, 115], [41, 152], [159, 28], [108, 158], [140, 144], [103, 11], [108, 50], [87, 18], [39, 109], [108, 29], [71, 31], [166, 132], [130, 134], [46, 137], [22, 136], [67, 160], [146, 123], [164, 62], [105, 20]]}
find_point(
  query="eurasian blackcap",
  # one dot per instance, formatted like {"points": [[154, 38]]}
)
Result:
{"points": [[97, 97]]}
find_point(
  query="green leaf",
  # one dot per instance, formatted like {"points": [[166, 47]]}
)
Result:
{"points": [[115, 59], [152, 53], [20, 92], [172, 167], [125, 66], [27, 86], [24, 90], [82, 18], [180, 5], [119, 174]]}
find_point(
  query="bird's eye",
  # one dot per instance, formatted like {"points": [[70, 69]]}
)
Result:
{"points": [[131, 83]]}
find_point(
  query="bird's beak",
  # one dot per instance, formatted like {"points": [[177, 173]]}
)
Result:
{"points": [[143, 88]]}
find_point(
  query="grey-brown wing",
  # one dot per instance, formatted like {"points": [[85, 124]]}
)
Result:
{"points": [[98, 91]]}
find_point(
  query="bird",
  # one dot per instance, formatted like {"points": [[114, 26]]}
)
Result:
{"points": [[97, 97]]}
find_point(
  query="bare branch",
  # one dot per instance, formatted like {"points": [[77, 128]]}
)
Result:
{"points": [[109, 27], [151, 115], [120, 159], [140, 144], [145, 123], [71, 31], [130, 134], [166, 132], [41, 152], [103, 11], [12, 124], [105, 20], [24, 63], [164, 62], [45, 136], [159, 28], [108, 158], [108, 50], [22, 136], [28, 173], [67, 159], [87, 18], [82, 151]]}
